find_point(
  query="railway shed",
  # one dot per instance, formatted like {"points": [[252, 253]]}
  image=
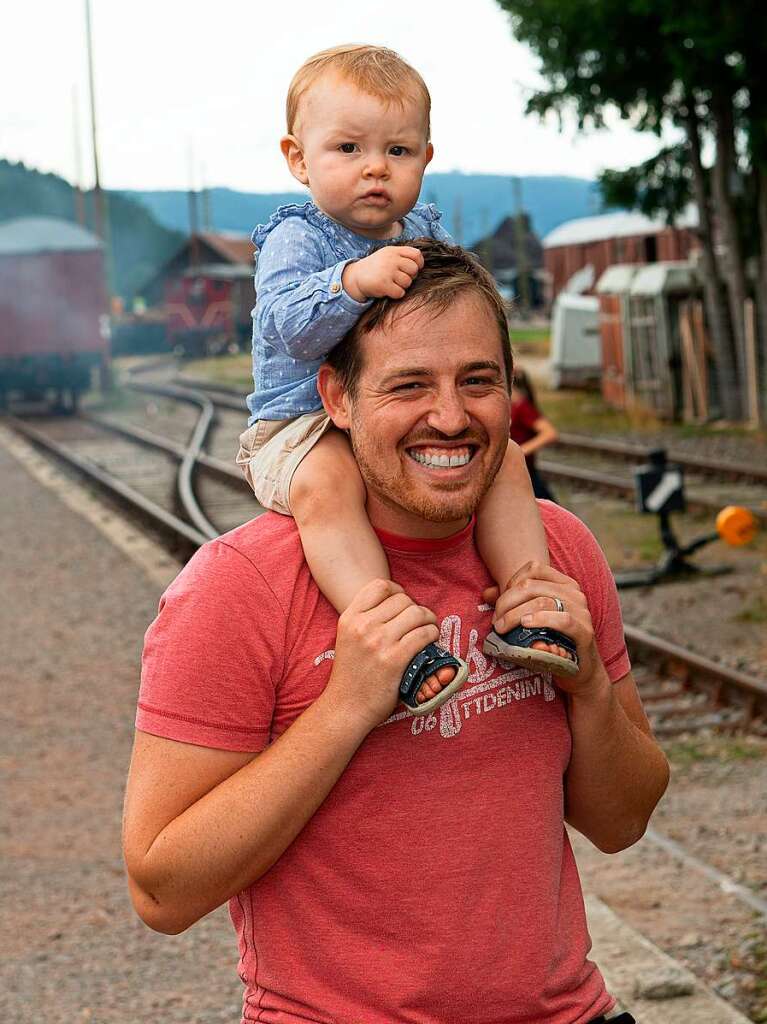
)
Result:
{"points": [[653, 339], [622, 237], [53, 308]]}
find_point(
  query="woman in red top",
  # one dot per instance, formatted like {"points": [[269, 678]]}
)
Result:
{"points": [[530, 429]]}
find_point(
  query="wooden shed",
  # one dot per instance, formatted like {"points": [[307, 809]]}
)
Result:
{"points": [[600, 242], [656, 302], [654, 350]]}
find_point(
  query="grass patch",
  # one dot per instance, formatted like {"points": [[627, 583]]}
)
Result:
{"points": [[230, 371], [754, 612], [726, 749], [530, 341], [630, 540], [115, 400], [682, 755], [650, 548], [585, 411]]}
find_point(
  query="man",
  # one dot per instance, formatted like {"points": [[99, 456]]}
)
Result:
{"points": [[379, 867]]}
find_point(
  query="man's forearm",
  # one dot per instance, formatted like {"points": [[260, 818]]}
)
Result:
{"points": [[617, 772], [233, 834]]}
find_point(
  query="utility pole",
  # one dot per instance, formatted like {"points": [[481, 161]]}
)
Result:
{"points": [[205, 191], [194, 247], [78, 191], [520, 245], [487, 241], [458, 220], [101, 211]]}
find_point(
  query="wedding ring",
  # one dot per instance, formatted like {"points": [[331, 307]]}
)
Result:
{"points": [[558, 603]]}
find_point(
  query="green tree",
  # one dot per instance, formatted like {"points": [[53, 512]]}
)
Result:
{"points": [[697, 68]]}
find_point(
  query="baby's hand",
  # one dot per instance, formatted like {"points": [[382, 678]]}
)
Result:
{"points": [[388, 272]]}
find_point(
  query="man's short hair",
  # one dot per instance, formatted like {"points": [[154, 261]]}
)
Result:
{"points": [[372, 69], [448, 272]]}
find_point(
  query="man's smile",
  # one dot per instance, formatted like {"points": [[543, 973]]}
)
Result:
{"points": [[442, 456]]}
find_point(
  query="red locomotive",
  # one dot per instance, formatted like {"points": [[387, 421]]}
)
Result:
{"points": [[207, 308]]}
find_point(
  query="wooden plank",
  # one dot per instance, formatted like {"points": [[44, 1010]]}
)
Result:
{"points": [[752, 386], [704, 350], [688, 401]]}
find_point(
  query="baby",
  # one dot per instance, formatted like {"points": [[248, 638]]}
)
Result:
{"points": [[358, 137]]}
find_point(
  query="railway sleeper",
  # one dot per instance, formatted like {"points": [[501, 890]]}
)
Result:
{"points": [[651, 695], [727, 720], [683, 706]]}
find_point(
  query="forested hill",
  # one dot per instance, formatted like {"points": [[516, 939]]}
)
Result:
{"points": [[148, 227], [139, 244], [472, 205]]}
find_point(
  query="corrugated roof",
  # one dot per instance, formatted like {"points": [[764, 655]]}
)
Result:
{"points": [[613, 225], [617, 279], [665, 277], [44, 234], [232, 247]]}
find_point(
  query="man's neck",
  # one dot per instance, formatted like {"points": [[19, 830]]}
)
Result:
{"points": [[399, 521]]}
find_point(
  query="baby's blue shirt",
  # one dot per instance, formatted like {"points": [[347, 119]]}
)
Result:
{"points": [[302, 310]]}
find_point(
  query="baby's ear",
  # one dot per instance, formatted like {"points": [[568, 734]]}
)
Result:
{"points": [[294, 156]]}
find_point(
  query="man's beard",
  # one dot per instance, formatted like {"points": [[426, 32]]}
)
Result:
{"points": [[435, 506]]}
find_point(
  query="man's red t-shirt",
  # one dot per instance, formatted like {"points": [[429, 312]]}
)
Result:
{"points": [[436, 883]]}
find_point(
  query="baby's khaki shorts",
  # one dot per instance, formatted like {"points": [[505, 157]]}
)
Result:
{"points": [[270, 452]]}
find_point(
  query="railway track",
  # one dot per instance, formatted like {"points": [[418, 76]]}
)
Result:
{"points": [[601, 464], [191, 494], [166, 479], [727, 469]]}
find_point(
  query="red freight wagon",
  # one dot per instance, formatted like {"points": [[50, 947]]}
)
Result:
{"points": [[53, 307]]}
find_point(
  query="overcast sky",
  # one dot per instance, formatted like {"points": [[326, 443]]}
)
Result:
{"points": [[181, 76]]}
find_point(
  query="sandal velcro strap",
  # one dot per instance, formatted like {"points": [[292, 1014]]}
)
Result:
{"points": [[522, 637], [424, 664]]}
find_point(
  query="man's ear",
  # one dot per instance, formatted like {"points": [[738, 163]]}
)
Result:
{"points": [[429, 152], [334, 397], [294, 156]]}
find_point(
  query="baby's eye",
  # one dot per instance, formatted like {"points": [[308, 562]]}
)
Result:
{"points": [[398, 150], [347, 147]]}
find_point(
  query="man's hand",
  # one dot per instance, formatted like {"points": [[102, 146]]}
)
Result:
{"points": [[388, 272], [529, 599], [379, 634]]}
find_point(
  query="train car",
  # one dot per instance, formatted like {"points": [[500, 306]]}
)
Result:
{"points": [[54, 325], [207, 308]]}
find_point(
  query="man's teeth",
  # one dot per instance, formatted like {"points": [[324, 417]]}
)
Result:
{"points": [[443, 459]]}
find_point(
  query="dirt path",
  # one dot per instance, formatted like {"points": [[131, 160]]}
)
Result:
{"points": [[73, 951], [716, 806]]}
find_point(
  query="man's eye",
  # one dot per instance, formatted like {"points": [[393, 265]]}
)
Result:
{"points": [[411, 385], [398, 150], [473, 382], [347, 147]]}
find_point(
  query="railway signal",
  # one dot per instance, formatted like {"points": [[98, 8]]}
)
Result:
{"points": [[660, 491]]}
